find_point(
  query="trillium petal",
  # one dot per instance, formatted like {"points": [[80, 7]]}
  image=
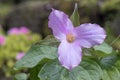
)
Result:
{"points": [[88, 35], [69, 54], [60, 24]]}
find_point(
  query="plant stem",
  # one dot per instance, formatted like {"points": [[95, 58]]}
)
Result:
{"points": [[115, 40]]}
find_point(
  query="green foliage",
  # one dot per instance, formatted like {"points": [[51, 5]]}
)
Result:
{"points": [[99, 63], [5, 9], [117, 64], [34, 71], [21, 76], [110, 5], [19, 44], [111, 74], [94, 69], [104, 48], [38, 52], [13, 45], [75, 16], [105, 5], [108, 61], [41, 58], [90, 4], [54, 71]]}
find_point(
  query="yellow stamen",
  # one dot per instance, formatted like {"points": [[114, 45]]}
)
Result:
{"points": [[70, 37]]}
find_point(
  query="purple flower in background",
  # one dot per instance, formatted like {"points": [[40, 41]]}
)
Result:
{"points": [[2, 40], [73, 39], [17, 31], [14, 31], [24, 30], [20, 55]]}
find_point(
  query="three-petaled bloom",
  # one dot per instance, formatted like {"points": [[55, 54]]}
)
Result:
{"points": [[73, 39]]}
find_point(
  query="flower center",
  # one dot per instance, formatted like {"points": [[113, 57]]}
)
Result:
{"points": [[70, 37]]}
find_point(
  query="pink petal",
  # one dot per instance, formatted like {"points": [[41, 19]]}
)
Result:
{"points": [[2, 40], [60, 24], [24, 30], [70, 54], [89, 35], [14, 31], [20, 55]]}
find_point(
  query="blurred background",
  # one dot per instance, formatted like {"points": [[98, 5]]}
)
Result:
{"points": [[24, 22]]}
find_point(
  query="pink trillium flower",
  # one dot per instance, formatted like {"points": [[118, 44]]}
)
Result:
{"points": [[2, 40], [73, 39], [20, 55]]}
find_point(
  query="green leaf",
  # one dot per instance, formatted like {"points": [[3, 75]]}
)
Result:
{"points": [[35, 70], [103, 48], [88, 70], [54, 71], [111, 74], [45, 49], [87, 52], [117, 64], [75, 16], [92, 68], [109, 61], [21, 76]]}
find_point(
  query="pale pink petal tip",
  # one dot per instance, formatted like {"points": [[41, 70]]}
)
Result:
{"points": [[24, 30], [20, 55], [2, 40], [13, 31]]}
